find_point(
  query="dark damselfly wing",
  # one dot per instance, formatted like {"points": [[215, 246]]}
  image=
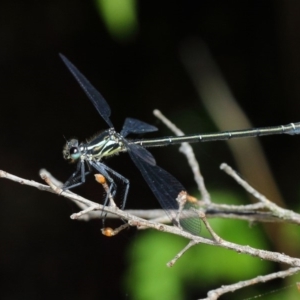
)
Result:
{"points": [[136, 127], [166, 189], [97, 99]]}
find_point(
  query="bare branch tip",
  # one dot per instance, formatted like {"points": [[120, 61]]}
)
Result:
{"points": [[223, 166], [156, 112]]}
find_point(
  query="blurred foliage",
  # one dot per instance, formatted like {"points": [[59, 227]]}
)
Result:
{"points": [[120, 18], [200, 267]]}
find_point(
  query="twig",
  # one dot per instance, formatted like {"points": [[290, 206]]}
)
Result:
{"points": [[187, 150], [241, 212], [179, 254], [277, 211], [215, 294], [209, 228], [135, 221], [23, 181]]}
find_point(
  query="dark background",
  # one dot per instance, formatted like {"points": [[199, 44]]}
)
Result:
{"points": [[256, 45]]}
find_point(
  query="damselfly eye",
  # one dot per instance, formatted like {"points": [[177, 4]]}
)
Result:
{"points": [[73, 150], [74, 153]]}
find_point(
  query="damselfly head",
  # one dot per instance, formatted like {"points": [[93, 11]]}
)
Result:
{"points": [[71, 150]]}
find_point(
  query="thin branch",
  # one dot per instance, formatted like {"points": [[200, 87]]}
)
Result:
{"points": [[179, 254], [215, 294], [187, 150], [241, 212], [23, 181], [135, 221], [277, 211], [209, 228]]}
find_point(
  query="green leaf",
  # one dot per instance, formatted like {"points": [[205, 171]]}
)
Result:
{"points": [[120, 17]]}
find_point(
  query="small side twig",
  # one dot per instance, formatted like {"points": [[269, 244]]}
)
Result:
{"points": [[187, 150], [265, 203], [209, 228], [179, 254]]}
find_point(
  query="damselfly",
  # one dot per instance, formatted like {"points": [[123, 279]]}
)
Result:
{"points": [[164, 186]]}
